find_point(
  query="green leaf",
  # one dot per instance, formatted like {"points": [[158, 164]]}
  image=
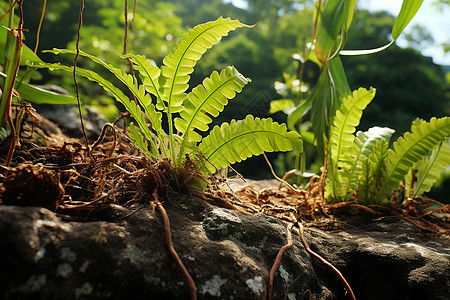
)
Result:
{"points": [[242, 139], [326, 98], [138, 139], [344, 126], [208, 99], [131, 106], [342, 147], [39, 95], [412, 147], [297, 113], [27, 53], [372, 170], [131, 82], [431, 168], [179, 64], [330, 23], [148, 73], [281, 105], [349, 8], [407, 12], [365, 143]]}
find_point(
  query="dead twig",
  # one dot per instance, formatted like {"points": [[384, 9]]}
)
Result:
{"points": [[193, 288], [278, 259]]}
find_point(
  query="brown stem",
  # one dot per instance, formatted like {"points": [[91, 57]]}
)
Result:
{"points": [[278, 260], [12, 145], [125, 44], [193, 288], [80, 23], [102, 136], [10, 92], [325, 262]]}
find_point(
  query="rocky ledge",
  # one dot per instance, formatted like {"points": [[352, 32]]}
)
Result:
{"points": [[229, 255]]}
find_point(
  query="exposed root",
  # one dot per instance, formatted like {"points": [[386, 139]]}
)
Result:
{"points": [[278, 260], [326, 263], [193, 288]]}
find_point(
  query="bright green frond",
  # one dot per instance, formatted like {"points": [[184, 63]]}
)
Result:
{"points": [[138, 139], [108, 86], [148, 73], [412, 147], [130, 81], [342, 147], [179, 64], [208, 99], [431, 168], [365, 143], [347, 180], [242, 139], [372, 170], [344, 126]]}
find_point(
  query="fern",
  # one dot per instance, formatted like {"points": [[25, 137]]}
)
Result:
{"points": [[148, 73], [342, 146], [240, 140], [138, 139], [131, 106], [179, 64], [429, 169], [130, 82], [208, 99], [169, 84], [365, 143], [411, 148], [372, 169]]}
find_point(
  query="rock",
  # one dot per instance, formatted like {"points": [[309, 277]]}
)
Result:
{"points": [[228, 254], [67, 118]]}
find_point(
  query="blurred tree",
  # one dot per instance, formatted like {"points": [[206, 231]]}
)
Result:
{"points": [[419, 37], [194, 12], [153, 32]]}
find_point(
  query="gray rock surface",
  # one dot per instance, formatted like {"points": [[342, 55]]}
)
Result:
{"points": [[67, 118], [229, 255]]}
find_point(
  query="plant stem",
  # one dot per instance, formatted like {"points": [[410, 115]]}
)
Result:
{"points": [[75, 60], [11, 66], [172, 149], [38, 34]]}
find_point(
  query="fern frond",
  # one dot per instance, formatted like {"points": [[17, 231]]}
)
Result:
{"points": [[344, 126], [131, 106], [242, 139], [138, 139], [208, 99], [365, 143], [342, 146], [131, 83], [148, 73], [412, 147], [431, 167], [179, 64], [372, 169]]}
